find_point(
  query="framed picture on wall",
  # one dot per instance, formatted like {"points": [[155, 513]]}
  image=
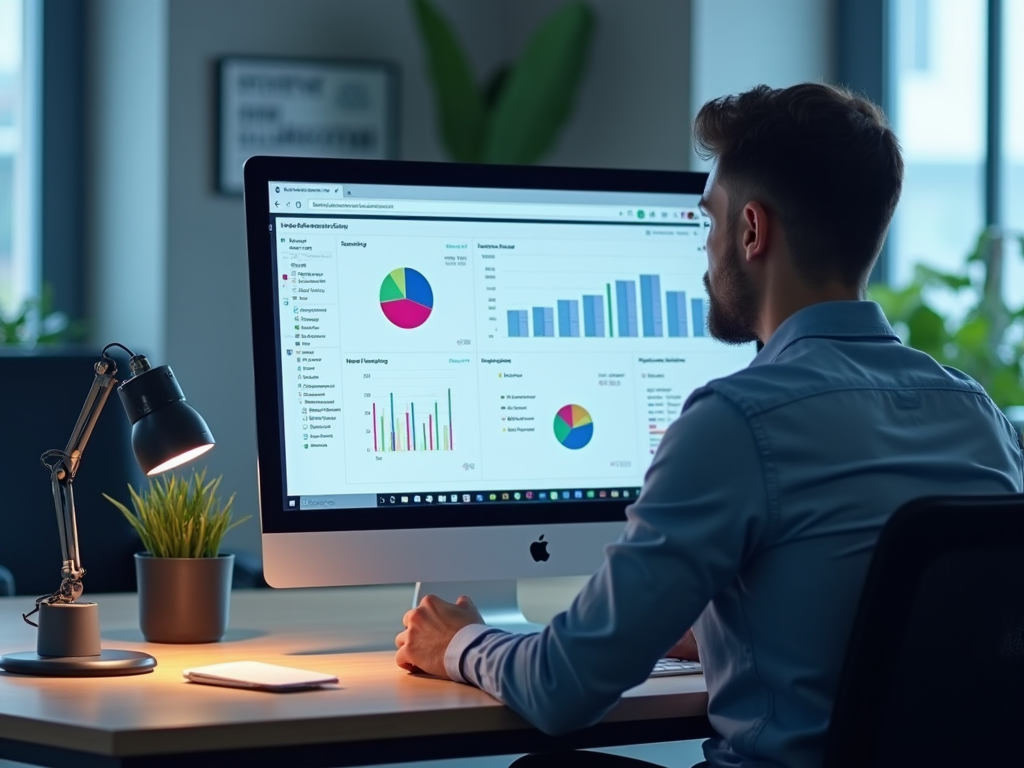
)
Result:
{"points": [[303, 108]]}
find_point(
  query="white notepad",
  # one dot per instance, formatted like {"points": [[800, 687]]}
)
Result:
{"points": [[257, 675]]}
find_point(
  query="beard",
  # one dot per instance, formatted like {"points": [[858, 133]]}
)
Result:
{"points": [[733, 303]]}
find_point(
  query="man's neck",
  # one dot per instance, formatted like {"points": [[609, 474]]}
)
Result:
{"points": [[780, 305]]}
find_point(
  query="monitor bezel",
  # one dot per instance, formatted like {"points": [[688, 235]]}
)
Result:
{"points": [[259, 171]]}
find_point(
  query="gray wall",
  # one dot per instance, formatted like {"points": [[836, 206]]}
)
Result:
{"points": [[126, 179], [185, 256], [741, 43]]}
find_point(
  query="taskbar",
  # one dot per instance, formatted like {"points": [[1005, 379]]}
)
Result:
{"points": [[505, 497], [433, 498]]}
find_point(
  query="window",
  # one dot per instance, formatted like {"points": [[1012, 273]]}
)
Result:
{"points": [[1013, 144], [15, 281], [937, 105], [960, 175]]}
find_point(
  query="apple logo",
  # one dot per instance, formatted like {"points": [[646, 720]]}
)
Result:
{"points": [[539, 550]]}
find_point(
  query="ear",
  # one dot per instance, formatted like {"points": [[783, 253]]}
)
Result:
{"points": [[756, 231]]}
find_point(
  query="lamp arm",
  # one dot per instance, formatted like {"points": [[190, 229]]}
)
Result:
{"points": [[63, 465]]}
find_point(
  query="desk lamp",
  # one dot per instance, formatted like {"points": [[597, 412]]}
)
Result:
{"points": [[166, 432]]}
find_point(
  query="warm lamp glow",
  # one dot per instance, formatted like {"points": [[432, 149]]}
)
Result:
{"points": [[177, 461], [166, 432]]}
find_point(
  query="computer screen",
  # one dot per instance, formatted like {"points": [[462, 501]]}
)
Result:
{"points": [[463, 372]]}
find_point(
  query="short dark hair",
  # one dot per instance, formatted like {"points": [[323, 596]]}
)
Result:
{"points": [[821, 158]]}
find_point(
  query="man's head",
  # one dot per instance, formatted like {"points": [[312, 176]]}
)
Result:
{"points": [[812, 172]]}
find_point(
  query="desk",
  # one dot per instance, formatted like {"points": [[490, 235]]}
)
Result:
{"points": [[376, 714]]}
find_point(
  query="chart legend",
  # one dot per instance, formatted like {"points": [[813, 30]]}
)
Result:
{"points": [[406, 298]]}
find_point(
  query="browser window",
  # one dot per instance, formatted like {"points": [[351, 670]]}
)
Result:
{"points": [[443, 346]]}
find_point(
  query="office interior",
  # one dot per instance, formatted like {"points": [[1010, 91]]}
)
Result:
{"points": [[109, 196]]}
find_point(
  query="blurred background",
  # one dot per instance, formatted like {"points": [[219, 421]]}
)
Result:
{"points": [[113, 226]]}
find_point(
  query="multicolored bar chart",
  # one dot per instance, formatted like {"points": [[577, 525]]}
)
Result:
{"points": [[413, 424], [615, 313]]}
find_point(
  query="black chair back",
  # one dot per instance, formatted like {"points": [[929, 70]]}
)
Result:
{"points": [[934, 670]]}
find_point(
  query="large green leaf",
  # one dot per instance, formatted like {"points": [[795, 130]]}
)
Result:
{"points": [[1007, 387], [973, 335], [540, 91], [927, 331], [460, 105], [928, 276], [896, 305]]}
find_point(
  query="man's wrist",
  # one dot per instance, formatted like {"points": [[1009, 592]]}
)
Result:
{"points": [[460, 643]]}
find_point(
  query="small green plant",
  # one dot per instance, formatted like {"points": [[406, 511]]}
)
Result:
{"points": [[985, 339], [36, 322], [180, 518], [516, 116]]}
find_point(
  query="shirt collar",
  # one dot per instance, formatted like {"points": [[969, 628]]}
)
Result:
{"points": [[861, 320]]}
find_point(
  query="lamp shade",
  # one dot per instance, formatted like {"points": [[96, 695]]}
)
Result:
{"points": [[166, 431]]}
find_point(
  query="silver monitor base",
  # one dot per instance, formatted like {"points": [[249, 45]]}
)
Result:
{"points": [[497, 601]]}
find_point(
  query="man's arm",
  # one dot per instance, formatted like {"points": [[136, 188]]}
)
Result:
{"points": [[701, 513], [686, 648]]}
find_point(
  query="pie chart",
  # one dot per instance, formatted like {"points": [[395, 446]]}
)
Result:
{"points": [[573, 426], [406, 298]]}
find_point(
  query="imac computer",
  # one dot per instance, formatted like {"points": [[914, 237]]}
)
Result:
{"points": [[462, 372]]}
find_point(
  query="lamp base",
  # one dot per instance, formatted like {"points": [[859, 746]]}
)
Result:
{"points": [[109, 663]]}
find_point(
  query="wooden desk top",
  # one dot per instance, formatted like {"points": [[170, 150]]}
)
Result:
{"points": [[346, 632]]}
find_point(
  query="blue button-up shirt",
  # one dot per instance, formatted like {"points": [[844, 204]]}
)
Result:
{"points": [[755, 526]]}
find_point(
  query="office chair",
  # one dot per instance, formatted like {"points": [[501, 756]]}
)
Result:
{"points": [[934, 669]]}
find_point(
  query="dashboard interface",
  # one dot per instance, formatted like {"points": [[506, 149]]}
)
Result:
{"points": [[446, 345]]}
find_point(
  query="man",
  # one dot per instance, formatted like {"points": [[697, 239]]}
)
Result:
{"points": [[760, 510]]}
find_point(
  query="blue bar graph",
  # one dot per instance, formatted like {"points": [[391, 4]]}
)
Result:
{"points": [[675, 303], [699, 321], [593, 316], [538, 321], [615, 312], [543, 321], [518, 323], [625, 295], [650, 303], [568, 317]]}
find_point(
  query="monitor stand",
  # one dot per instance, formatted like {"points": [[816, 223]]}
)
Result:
{"points": [[497, 601]]}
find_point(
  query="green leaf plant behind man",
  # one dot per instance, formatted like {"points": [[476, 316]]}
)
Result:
{"points": [[516, 117], [985, 338]]}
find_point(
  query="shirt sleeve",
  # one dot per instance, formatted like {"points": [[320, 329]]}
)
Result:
{"points": [[701, 512]]}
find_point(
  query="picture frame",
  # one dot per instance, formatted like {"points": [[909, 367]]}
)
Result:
{"points": [[302, 107]]}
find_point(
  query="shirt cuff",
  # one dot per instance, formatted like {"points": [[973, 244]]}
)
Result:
{"points": [[458, 646]]}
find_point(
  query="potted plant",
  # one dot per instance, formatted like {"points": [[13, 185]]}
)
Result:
{"points": [[37, 322], [184, 581], [516, 116], [963, 321]]}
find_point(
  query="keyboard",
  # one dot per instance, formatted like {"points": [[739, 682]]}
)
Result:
{"points": [[666, 667]]}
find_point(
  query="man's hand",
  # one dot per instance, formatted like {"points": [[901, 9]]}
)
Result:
{"points": [[429, 629], [686, 648]]}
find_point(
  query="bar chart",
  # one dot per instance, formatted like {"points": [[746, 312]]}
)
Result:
{"points": [[615, 313], [412, 424]]}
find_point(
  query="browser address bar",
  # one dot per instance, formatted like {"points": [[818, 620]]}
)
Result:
{"points": [[456, 208]]}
